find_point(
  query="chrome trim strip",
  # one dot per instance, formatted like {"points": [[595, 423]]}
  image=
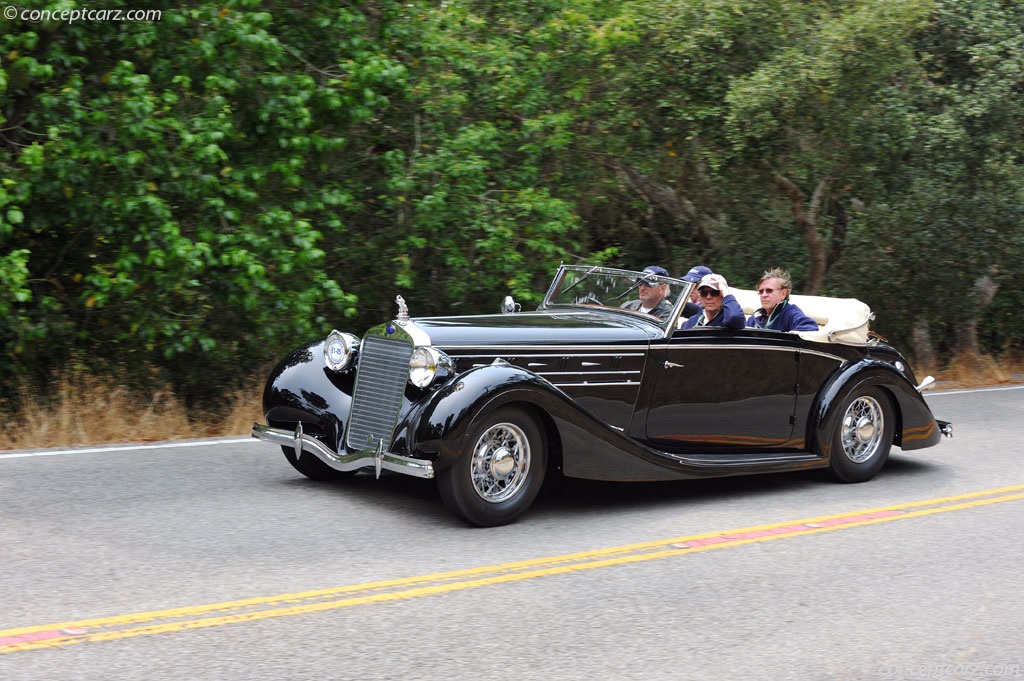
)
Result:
{"points": [[710, 346], [579, 350], [591, 384], [826, 355], [588, 373], [726, 346], [375, 460]]}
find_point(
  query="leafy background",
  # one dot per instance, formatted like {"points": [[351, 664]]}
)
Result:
{"points": [[184, 199]]}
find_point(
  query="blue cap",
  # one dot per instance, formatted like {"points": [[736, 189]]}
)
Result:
{"points": [[697, 273], [657, 271]]}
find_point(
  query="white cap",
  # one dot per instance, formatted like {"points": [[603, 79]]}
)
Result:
{"points": [[709, 280]]}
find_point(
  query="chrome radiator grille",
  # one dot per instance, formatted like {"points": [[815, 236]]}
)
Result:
{"points": [[380, 384]]}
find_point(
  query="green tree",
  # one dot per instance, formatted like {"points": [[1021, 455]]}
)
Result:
{"points": [[170, 183]]}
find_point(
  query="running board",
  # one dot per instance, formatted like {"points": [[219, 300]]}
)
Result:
{"points": [[751, 459]]}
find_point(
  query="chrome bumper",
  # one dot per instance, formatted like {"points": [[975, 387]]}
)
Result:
{"points": [[376, 460]]}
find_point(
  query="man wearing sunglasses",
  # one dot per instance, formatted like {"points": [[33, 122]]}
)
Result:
{"points": [[653, 295], [777, 313], [720, 307]]}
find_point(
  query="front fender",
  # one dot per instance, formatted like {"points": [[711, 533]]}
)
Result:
{"points": [[916, 427], [589, 448], [441, 423], [301, 389]]}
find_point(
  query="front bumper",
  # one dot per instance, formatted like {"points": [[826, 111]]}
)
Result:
{"points": [[376, 460]]}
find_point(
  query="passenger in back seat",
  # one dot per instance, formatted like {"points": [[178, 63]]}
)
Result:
{"points": [[696, 273], [720, 306], [777, 313]]}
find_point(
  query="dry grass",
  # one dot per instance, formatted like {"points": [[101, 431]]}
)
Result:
{"points": [[88, 411], [84, 411], [974, 371]]}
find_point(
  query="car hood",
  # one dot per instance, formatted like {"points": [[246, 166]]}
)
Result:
{"points": [[538, 328]]}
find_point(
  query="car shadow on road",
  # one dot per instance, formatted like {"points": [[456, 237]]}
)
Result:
{"points": [[390, 492], [567, 497], [571, 496]]}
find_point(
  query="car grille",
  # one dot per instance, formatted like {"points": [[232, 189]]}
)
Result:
{"points": [[380, 384]]}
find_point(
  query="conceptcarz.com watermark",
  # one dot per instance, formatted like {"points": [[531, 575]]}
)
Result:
{"points": [[947, 671], [70, 16]]}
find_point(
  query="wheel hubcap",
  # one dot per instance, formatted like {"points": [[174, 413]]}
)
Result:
{"points": [[501, 461], [865, 429], [863, 425]]}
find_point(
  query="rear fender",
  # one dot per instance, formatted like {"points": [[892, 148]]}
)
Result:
{"points": [[915, 425]]}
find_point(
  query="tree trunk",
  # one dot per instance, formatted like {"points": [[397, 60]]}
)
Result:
{"points": [[924, 350], [806, 222], [978, 300], [668, 199]]}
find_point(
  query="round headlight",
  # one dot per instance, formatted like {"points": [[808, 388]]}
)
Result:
{"points": [[338, 350], [426, 363]]}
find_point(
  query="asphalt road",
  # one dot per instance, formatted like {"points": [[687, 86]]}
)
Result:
{"points": [[215, 560]]}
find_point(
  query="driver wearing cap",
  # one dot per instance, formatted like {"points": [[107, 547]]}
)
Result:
{"points": [[653, 294], [720, 307]]}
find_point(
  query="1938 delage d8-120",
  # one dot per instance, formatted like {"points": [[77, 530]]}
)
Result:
{"points": [[489, 405]]}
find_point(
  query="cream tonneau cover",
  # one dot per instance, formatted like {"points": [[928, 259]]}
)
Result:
{"points": [[840, 320]]}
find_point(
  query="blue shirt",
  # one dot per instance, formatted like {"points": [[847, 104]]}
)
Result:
{"points": [[785, 317], [730, 316]]}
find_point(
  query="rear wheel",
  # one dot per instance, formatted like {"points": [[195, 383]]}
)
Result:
{"points": [[863, 436], [497, 478], [312, 467]]}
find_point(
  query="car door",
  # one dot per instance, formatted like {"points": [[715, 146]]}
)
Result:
{"points": [[721, 389]]}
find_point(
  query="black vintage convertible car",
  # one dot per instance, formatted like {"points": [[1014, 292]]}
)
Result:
{"points": [[490, 405]]}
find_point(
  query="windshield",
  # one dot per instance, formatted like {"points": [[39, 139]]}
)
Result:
{"points": [[588, 287]]}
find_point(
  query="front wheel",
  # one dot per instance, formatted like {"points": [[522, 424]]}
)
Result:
{"points": [[312, 467], [499, 476], [863, 436]]}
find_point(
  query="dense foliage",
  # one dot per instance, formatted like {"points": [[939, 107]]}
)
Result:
{"points": [[185, 197]]}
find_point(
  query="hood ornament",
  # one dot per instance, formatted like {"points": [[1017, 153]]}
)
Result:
{"points": [[403, 311]]}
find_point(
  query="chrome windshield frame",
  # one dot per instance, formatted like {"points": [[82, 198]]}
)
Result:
{"points": [[679, 289]]}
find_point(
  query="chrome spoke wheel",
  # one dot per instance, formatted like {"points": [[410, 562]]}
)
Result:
{"points": [[500, 472], [862, 429], [500, 462]]}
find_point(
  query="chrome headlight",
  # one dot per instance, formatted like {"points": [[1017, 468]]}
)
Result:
{"points": [[338, 350], [426, 364]]}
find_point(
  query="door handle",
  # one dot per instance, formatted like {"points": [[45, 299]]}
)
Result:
{"points": [[673, 365]]}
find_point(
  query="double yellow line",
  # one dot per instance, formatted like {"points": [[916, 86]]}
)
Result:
{"points": [[307, 602]]}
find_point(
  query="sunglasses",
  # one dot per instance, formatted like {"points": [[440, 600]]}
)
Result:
{"points": [[648, 282], [767, 291], [709, 293]]}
